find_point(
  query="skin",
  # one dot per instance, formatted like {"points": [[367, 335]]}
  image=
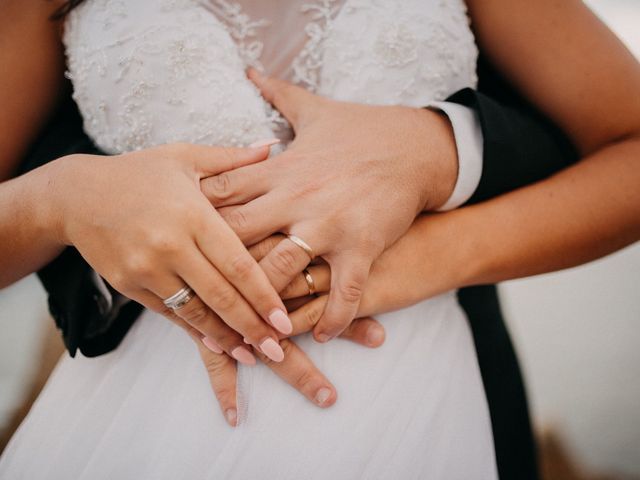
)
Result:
{"points": [[40, 216], [580, 214], [585, 212]]}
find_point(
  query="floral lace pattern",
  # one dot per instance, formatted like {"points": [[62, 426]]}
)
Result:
{"points": [[147, 72]]}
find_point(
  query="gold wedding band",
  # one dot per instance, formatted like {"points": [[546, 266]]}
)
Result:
{"points": [[310, 283], [303, 245]]}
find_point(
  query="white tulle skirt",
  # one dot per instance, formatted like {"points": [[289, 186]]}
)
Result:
{"points": [[414, 408]]}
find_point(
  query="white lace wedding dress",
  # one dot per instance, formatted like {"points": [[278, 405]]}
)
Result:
{"points": [[147, 72]]}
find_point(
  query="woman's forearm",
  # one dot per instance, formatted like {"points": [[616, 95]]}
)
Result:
{"points": [[582, 213], [578, 215], [28, 239]]}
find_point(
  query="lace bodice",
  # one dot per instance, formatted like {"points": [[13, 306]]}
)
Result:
{"points": [[148, 72]]}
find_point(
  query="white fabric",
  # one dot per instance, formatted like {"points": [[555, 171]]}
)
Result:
{"points": [[469, 144], [152, 71]]}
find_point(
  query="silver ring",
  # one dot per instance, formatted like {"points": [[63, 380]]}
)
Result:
{"points": [[303, 245], [310, 283], [180, 298]]}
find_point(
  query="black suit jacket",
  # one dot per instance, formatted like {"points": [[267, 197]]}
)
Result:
{"points": [[520, 147]]}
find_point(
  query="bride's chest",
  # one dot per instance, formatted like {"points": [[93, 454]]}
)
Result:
{"points": [[336, 47]]}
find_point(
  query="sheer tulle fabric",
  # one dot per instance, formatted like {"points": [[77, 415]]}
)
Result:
{"points": [[147, 72]]}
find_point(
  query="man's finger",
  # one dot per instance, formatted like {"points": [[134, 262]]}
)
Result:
{"points": [[348, 276], [284, 263], [290, 100], [300, 372], [262, 248], [222, 376], [315, 277]]}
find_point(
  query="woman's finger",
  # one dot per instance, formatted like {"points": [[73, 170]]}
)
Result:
{"points": [[317, 277], [225, 251], [235, 187], [218, 303], [221, 369], [222, 373], [300, 372], [209, 160], [259, 218], [200, 317]]}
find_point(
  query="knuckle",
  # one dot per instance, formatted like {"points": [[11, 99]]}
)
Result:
{"points": [[213, 363], [139, 266], [221, 186], [119, 281], [224, 299], [224, 393], [241, 267], [196, 315], [284, 261], [304, 379], [350, 291], [237, 220], [290, 290], [312, 315]]}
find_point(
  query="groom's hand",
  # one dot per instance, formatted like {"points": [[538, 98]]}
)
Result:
{"points": [[296, 369], [350, 185]]}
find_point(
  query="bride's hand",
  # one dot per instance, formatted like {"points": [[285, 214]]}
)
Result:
{"points": [[141, 220], [349, 185], [296, 369]]}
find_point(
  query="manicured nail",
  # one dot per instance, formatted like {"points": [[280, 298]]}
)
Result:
{"points": [[232, 416], [265, 143], [375, 336], [211, 345], [243, 355], [272, 349], [322, 395], [323, 337], [247, 341], [281, 321]]}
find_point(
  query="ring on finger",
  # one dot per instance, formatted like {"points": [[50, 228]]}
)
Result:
{"points": [[180, 298], [310, 282], [303, 245]]}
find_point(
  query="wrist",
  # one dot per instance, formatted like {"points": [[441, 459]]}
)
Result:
{"points": [[439, 155], [54, 188]]}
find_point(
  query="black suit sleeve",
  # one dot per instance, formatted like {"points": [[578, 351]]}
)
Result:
{"points": [[520, 145]]}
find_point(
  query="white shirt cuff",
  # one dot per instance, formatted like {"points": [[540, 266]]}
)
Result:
{"points": [[469, 143]]}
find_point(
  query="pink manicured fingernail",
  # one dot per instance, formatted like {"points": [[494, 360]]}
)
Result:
{"points": [[281, 321], [247, 341], [211, 345], [232, 416], [243, 355], [272, 349], [265, 143], [375, 336], [322, 395]]}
